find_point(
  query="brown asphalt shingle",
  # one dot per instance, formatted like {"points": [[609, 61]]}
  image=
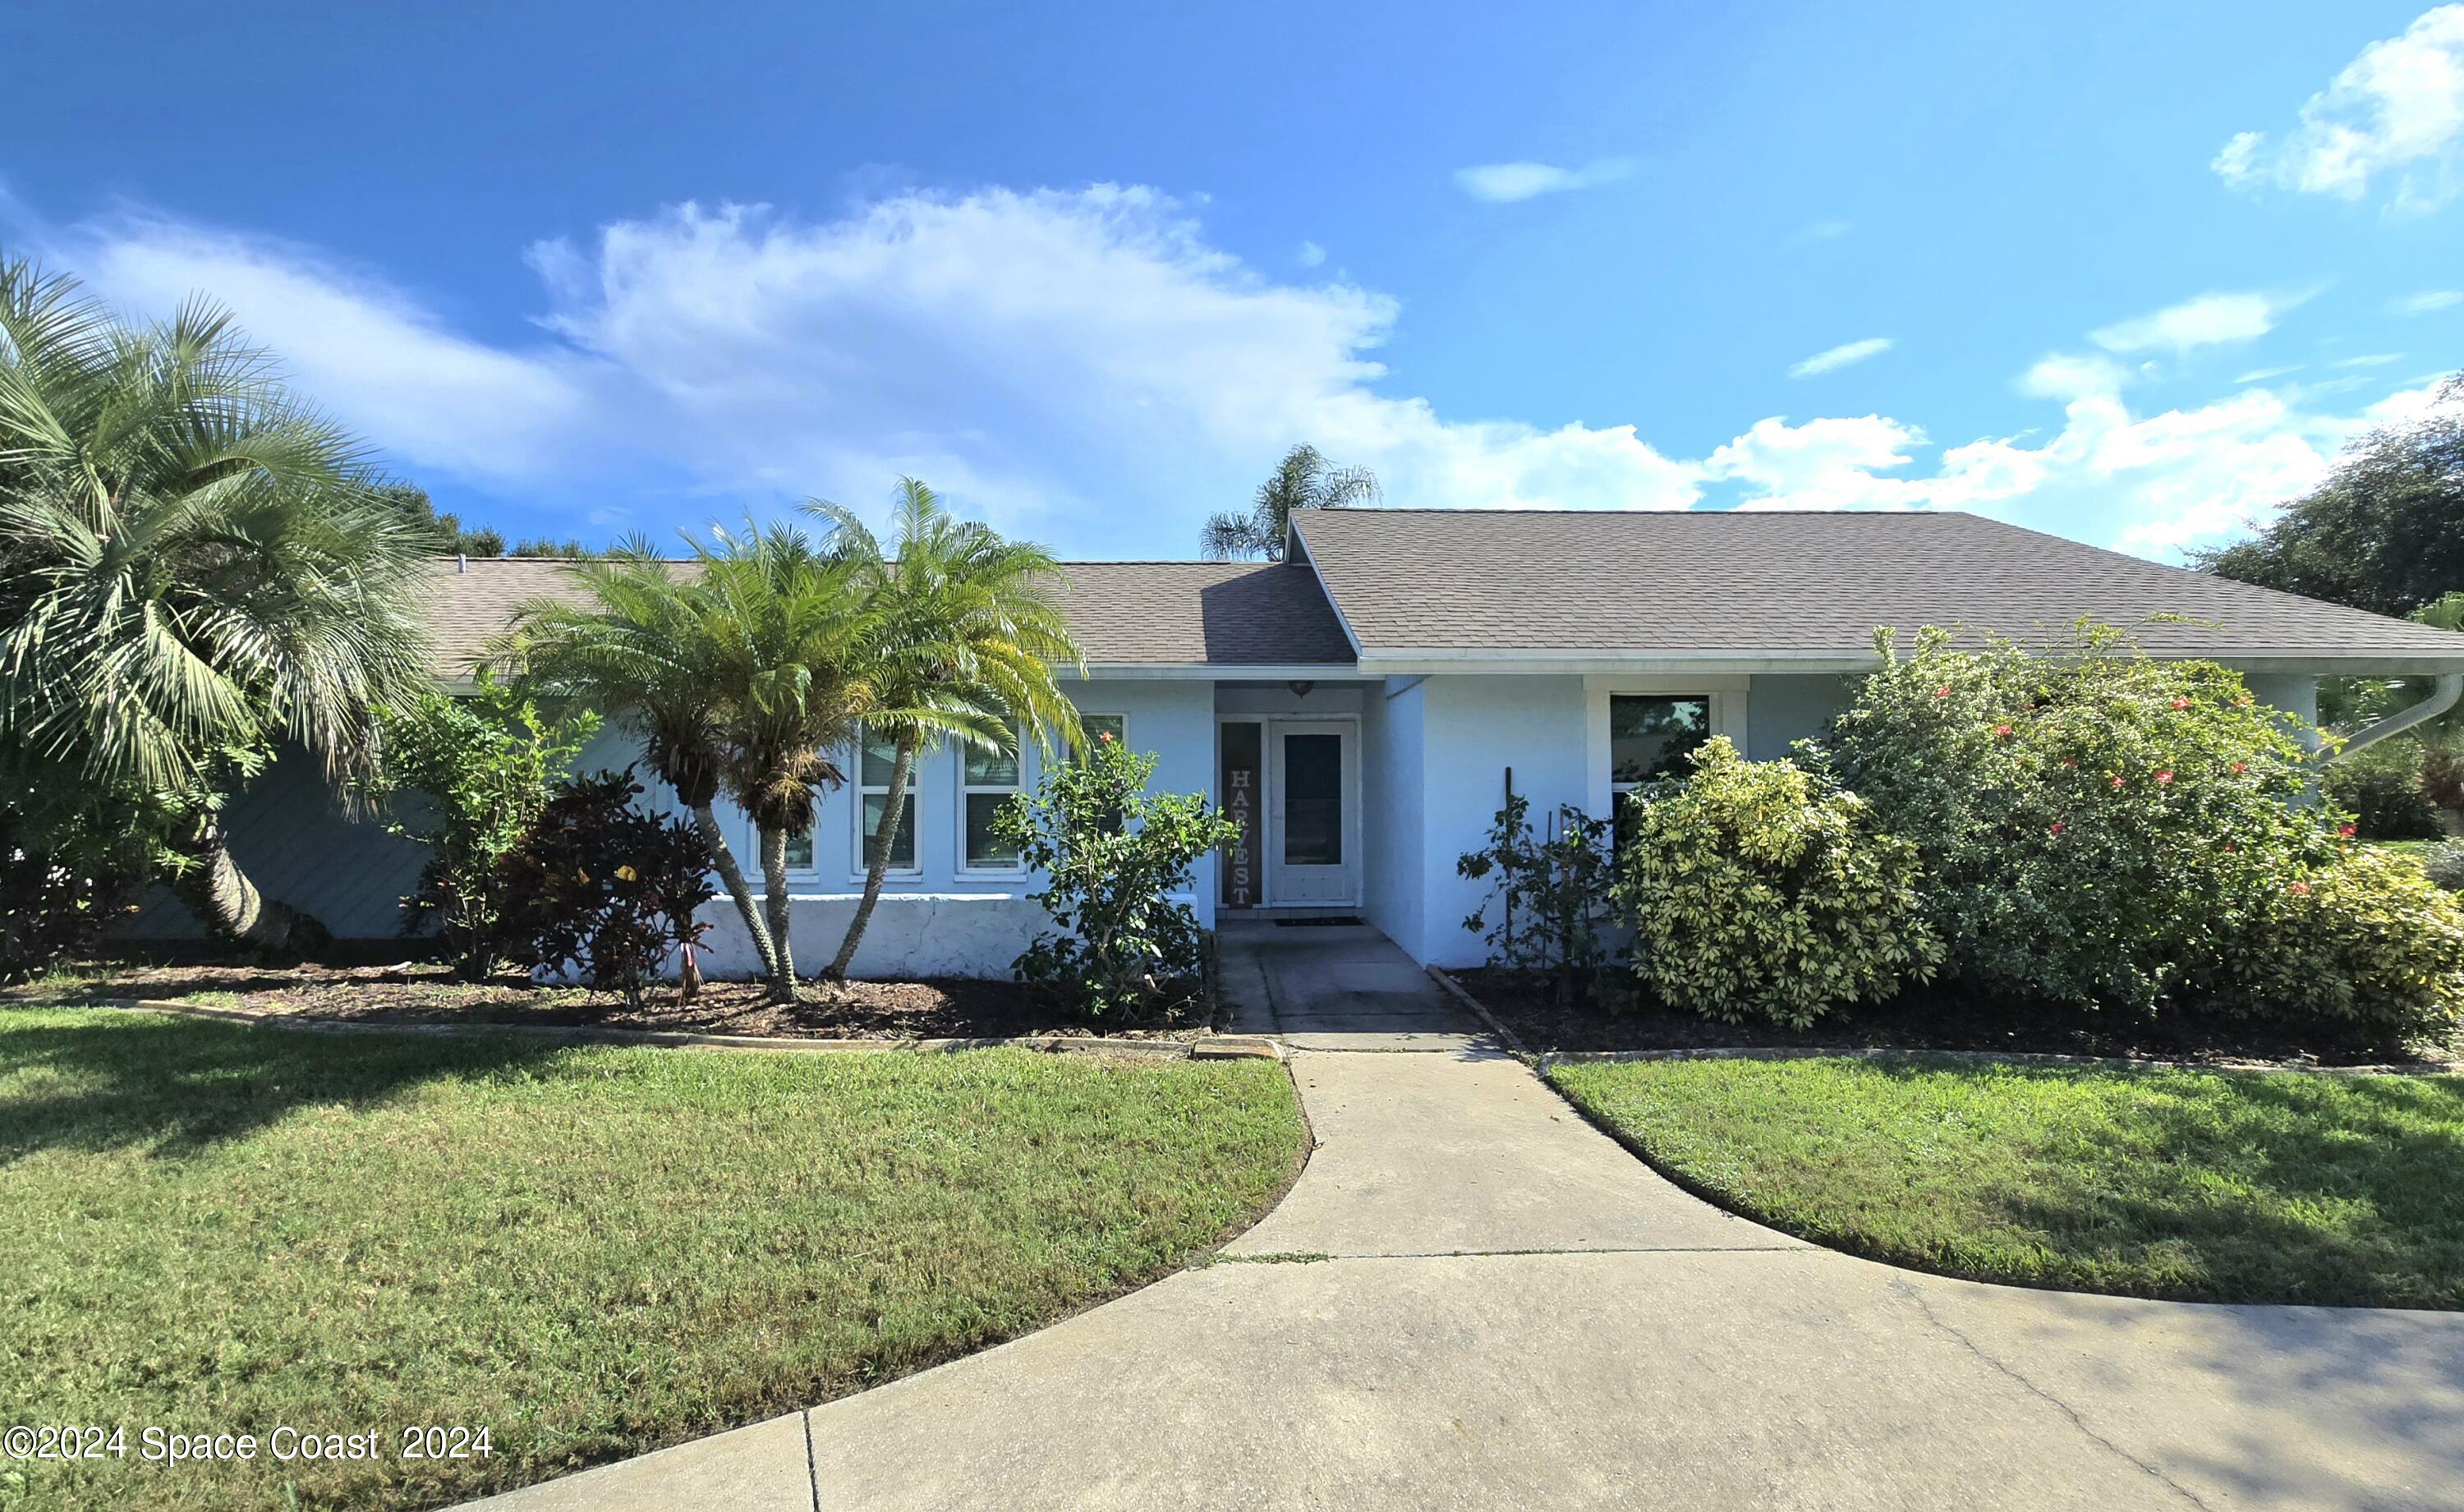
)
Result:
{"points": [[1804, 583], [1124, 613]]}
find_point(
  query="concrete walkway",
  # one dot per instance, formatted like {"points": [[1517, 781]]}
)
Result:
{"points": [[1472, 1298]]}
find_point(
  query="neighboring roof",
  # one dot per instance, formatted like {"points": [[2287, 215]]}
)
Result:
{"points": [[1125, 614], [1443, 586]]}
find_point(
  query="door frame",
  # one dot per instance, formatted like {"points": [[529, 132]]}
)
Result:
{"points": [[1270, 807]]}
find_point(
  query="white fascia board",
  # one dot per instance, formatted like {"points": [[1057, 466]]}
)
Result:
{"points": [[1430, 661], [1221, 671], [1308, 559]]}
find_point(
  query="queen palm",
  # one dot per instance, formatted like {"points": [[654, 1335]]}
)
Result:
{"points": [[194, 568], [963, 632], [1304, 479], [637, 647]]}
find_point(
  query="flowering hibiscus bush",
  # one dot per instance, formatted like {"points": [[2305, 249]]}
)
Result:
{"points": [[1760, 889], [2104, 829]]}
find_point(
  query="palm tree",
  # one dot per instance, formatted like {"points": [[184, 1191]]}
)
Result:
{"points": [[782, 632], [193, 569], [1304, 479], [637, 648], [964, 630]]}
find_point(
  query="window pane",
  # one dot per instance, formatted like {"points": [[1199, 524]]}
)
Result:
{"points": [[983, 848], [1312, 800], [902, 846], [989, 768], [1650, 737], [800, 850], [1098, 726], [880, 757]]}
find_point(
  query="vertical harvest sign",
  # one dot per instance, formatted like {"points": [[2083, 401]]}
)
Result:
{"points": [[1243, 748]]}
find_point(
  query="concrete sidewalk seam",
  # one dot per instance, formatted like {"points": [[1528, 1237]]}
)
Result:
{"points": [[812, 1461]]}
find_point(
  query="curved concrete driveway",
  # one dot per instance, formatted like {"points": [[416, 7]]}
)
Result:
{"points": [[1473, 1298]]}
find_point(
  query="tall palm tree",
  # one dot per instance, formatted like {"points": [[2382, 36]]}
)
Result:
{"points": [[963, 632], [638, 648], [783, 631], [193, 569], [1304, 479]]}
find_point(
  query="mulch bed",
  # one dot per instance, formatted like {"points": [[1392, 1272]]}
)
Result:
{"points": [[419, 992], [1925, 1020]]}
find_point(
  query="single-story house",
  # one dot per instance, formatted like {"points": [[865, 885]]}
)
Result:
{"points": [[1361, 704]]}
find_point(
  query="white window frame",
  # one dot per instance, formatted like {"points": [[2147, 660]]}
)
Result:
{"points": [[966, 867], [859, 792], [1728, 717], [1085, 714]]}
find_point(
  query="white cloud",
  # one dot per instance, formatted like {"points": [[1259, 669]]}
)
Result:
{"points": [[2425, 302], [2397, 108], [1822, 464], [2373, 359], [2260, 375], [2206, 320], [2070, 375], [1502, 183], [1309, 255], [1832, 358]]}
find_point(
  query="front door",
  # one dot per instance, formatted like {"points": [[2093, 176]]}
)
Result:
{"points": [[1313, 852]]}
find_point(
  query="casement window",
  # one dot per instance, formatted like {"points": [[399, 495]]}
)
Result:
{"points": [[1098, 726], [878, 756], [1650, 735], [987, 779]]}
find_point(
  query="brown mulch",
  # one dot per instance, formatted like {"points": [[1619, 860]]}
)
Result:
{"points": [[1925, 1020], [418, 991]]}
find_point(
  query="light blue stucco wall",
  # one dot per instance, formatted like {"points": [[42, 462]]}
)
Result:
{"points": [[1782, 710], [1393, 839], [1473, 729]]}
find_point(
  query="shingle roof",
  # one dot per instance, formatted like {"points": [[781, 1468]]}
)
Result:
{"points": [[1124, 613], [1798, 584]]}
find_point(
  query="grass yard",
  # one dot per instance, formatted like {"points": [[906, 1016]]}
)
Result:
{"points": [[2261, 1187], [588, 1251]]}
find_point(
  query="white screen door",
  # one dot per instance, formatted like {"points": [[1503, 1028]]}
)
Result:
{"points": [[1314, 855]]}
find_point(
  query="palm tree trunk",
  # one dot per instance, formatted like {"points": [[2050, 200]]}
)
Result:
{"points": [[876, 862], [774, 878], [229, 905], [732, 875]]}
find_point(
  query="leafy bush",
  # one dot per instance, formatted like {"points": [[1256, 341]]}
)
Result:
{"points": [[2366, 938], [2095, 828], [2445, 864], [604, 888], [1114, 853], [1758, 889], [1552, 895], [467, 778], [2383, 786], [65, 873]]}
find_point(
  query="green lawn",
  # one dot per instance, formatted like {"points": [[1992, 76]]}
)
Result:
{"points": [[590, 1252], [2272, 1187]]}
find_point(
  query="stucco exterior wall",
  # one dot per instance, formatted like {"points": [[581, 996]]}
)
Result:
{"points": [[1475, 728], [1782, 710], [1394, 816]]}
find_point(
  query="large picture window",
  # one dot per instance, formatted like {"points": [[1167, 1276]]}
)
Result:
{"points": [[874, 762], [987, 780]]}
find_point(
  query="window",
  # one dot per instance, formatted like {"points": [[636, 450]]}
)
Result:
{"points": [[1312, 800], [874, 766], [1649, 738], [799, 851], [987, 780], [1098, 726]]}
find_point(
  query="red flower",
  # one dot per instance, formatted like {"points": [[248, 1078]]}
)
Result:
{"points": [[1105, 735], [2230, 846], [2302, 886], [2346, 831], [2116, 781], [2001, 730], [2164, 777], [2056, 829], [2068, 762], [2241, 766], [1943, 691], [2180, 703]]}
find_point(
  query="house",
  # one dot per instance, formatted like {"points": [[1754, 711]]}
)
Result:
{"points": [[1363, 705]]}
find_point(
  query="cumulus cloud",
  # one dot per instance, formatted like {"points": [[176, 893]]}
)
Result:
{"points": [[1088, 368], [1502, 182], [2397, 110], [1832, 358], [2206, 320]]}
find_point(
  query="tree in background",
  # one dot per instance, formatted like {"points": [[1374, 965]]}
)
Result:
{"points": [[194, 569], [962, 631], [448, 537], [2384, 533], [1304, 479]]}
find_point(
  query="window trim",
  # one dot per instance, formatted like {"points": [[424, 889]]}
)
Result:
{"points": [[858, 792], [964, 866], [1085, 714], [1728, 696]]}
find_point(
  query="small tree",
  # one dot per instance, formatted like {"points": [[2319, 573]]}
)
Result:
{"points": [[1114, 853], [607, 888], [70, 859], [1552, 897], [467, 778]]}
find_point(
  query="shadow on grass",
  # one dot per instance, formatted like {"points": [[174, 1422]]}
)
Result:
{"points": [[175, 1086]]}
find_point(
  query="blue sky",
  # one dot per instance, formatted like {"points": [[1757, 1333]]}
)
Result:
{"points": [[2128, 273]]}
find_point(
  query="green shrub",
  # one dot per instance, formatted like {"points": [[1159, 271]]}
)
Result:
{"points": [[466, 777], [1758, 889], [604, 888], [2444, 864], [68, 866], [2366, 938], [1552, 895], [2385, 789], [1113, 854], [2095, 827]]}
